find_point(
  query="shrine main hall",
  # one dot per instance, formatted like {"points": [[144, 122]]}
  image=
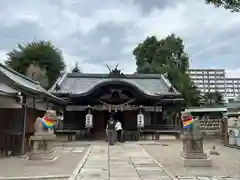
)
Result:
{"points": [[122, 95]]}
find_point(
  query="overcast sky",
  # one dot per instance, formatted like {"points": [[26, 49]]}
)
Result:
{"points": [[98, 32]]}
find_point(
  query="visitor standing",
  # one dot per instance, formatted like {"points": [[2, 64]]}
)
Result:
{"points": [[111, 130], [119, 130]]}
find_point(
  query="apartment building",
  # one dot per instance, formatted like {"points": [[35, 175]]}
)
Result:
{"points": [[210, 80], [232, 87]]}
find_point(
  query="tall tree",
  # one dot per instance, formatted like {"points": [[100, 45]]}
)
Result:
{"points": [[213, 98], [233, 5], [167, 56], [42, 54]]}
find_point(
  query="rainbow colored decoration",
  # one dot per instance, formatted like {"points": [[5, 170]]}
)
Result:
{"points": [[187, 120], [47, 123]]}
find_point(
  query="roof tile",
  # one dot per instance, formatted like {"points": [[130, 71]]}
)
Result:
{"points": [[78, 83], [25, 83]]}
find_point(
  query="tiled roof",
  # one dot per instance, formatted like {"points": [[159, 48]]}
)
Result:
{"points": [[24, 84], [3, 93], [233, 105], [80, 83], [207, 109]]}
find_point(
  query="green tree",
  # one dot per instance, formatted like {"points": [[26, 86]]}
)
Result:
{"points": [[233, 5], [213, 98], [38, 53], [167, 56]]}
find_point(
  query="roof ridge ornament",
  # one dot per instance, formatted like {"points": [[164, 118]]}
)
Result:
{"points": [[115, 73], [76, 69]]}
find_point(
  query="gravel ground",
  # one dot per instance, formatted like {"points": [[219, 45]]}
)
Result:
{"points": [[225, 164], [69, 157]]}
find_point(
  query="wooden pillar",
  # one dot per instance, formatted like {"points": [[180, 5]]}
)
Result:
{"points": [[47, 105], [176, 121], [63, 114], [225, 122], [162, 113], [155, 117], [34, 103], [24, 116]]}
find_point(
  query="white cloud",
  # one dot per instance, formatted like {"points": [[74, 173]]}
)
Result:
{"points": [[120, 13], [71, 23], [105, 40], [71, 61], [233, 73], [201, 26], [3, 56], [189, 19], [163, 22], [92, 68]]}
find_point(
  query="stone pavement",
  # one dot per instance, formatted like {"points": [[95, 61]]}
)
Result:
{"points": [[225, 165], [14, 168], [118, 162], [127, 161]]}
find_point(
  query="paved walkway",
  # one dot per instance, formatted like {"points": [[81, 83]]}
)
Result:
{"points": [[14, 168], [126, 162], [120, 162]]}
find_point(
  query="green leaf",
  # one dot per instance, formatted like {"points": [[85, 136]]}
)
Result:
{"points": [[167, 56], [41, 53], [232, 5]]}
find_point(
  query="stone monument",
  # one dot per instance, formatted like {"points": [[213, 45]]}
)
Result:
{"points": [[42, 142], [193, 154]]}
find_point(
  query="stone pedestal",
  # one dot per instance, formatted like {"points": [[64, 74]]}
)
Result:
{"points": [[42, 150], [195, 159], [193, 154]]}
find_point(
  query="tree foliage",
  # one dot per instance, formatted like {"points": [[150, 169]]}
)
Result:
{"points": [[37, 74], [167, 56], [213, 98], [40, 53], [233, 5]]}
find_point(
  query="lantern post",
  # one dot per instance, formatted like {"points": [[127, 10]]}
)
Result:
{"points": [[140, 121], [89, 120]]}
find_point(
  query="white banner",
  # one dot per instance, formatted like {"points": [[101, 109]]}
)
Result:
{"points": [[88, 121], [140, 120]]}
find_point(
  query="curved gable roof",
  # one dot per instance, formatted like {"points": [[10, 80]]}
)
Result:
{"points": [[79, 83]]}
